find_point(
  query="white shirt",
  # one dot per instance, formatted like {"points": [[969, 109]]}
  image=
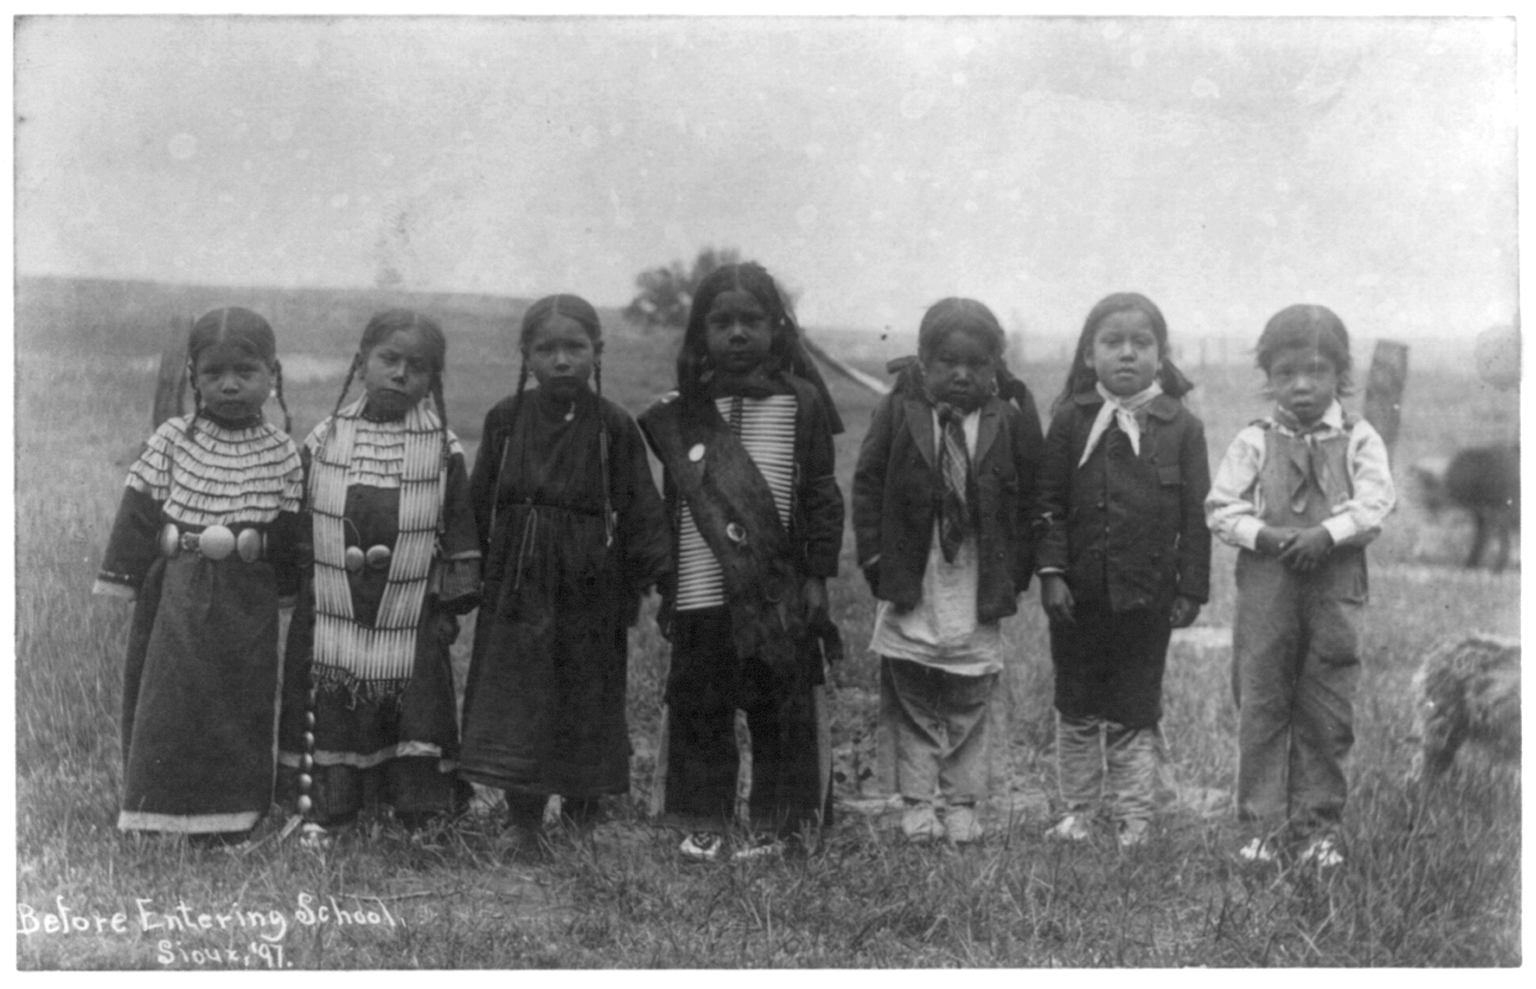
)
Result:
{"points": [[941, 630], [1235, 507]]}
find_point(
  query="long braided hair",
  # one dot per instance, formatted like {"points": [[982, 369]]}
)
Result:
{"points": [[572, 307], [245, 329], [385, 325], [535, 318]]}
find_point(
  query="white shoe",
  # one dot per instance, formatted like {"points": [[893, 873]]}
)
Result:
{"points": [[702, 846], [1322, 852], [314, 837], [1134, 832], [1073, 827], [921, 825], [1257, 850], [757, 847], [962, 826]]}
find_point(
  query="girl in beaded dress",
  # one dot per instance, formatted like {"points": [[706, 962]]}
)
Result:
{"points": [[574, 532], [204, 544], [368, 709]]}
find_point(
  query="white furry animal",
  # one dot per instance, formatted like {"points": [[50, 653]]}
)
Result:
{"points": [[1469, 691]]}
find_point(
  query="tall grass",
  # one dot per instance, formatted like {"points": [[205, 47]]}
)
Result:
{"points": [[1430, 880]]}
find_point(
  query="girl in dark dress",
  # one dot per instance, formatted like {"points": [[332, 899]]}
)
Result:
{"points": [[368, 713], [204, 544], [573, 533]]}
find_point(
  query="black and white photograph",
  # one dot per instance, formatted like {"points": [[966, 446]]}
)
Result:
{"points": [[781, 489]]}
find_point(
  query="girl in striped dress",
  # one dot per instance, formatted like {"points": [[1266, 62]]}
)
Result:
{"points": [[204, 544], [368, 712], [746, 445], [573, 532]]}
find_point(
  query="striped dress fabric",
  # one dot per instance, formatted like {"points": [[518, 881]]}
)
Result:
{"points": [[404, 453], [766, 427], [219, 476]]}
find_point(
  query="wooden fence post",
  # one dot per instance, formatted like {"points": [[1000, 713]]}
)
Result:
{"points": [[1384, 389], [171, 381]]}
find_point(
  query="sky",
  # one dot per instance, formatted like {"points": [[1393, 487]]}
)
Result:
{"points": [[1224, 167]]}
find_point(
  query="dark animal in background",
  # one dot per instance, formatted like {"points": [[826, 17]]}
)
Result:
{"points": [[1486, 482], [1469, 691]]}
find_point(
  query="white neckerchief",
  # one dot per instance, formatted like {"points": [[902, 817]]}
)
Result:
{"points": [[1332, 419], [1123, 412]]}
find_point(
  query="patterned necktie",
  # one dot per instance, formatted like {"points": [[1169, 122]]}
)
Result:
{"points": [[955, 468], [1310, 463]]}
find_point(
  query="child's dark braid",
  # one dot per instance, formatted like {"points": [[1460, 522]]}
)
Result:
{"points": [[442, 415], [597, 367], [609, 525], [189, 429], [506, 442], [517, 403], [345, 385], [277, 370]]}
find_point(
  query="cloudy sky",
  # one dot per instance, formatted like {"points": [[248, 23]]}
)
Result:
{"points": [[1224, 167]]}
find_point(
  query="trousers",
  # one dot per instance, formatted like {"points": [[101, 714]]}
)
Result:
{"points": [[1295, 668], [940, 723], [1109, 699], [1097, 757], [1109, 664], [707, 684]]}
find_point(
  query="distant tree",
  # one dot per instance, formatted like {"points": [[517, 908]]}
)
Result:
{"points": [[667, 292]]}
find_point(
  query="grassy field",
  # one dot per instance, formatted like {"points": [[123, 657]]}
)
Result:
{"points": [[1428, 882]]}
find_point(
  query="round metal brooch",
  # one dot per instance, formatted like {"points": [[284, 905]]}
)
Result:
{"points": [[216, 542]]}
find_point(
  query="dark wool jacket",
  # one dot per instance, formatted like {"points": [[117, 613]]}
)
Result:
{"points": [[1128, 531], [897, 488], [816, 515]]}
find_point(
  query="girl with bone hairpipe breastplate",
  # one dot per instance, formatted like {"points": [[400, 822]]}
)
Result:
{"points": [[369, 714]]}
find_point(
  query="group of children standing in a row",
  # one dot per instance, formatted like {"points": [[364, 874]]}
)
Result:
{"points": [[384, 539]]}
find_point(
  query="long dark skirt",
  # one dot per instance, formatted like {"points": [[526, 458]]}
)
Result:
{"points": [[544, 705], [397, 748], [200, 697]]}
